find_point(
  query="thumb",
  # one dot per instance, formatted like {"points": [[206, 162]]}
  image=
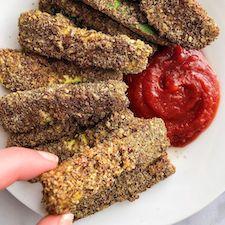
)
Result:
{"points": [[23, 164], [66, 219]]}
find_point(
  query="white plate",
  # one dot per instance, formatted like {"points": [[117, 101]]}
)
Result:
{"points": [[200, 175]]}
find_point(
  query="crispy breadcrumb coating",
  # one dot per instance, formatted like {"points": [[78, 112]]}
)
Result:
{"points": [[41, 136], [55, 36], [129, 14], [86, 17], [126, 187], [116, 164], [182, 22], [119, 125], [86, 103], [20, 71]]}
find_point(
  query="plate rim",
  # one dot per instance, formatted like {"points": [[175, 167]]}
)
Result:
{"points": [[210, 199]]}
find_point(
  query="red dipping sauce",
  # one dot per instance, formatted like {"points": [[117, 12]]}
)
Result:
{"points": [[180, 87]]}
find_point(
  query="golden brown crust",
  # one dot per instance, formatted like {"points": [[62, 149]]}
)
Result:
{"points": [[128, 13], [85, 16], [185, 23], [119, 125], [21, 71], [55, 36], [86, 103], [127, 187], [93, 170], [41, 136]]}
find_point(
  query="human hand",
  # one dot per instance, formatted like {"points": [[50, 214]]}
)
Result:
{"points": [[18, 164]]}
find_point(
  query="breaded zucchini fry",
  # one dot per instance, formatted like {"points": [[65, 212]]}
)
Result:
{"points": [[129, 14], [186, 24], [65, 135], [41, 136], [119, 125], [55, 36], [86, 17], [128, 186], [86, 103], [20, 71], [112, 171], [118, 122]]}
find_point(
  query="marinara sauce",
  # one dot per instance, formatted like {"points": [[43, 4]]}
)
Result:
{"points": [[180, 87]]}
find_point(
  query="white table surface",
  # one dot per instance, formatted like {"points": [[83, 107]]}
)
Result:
{"points": [[12, 212]]}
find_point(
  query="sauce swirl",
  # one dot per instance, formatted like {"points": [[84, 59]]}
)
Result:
{"points": [[180, 87]]}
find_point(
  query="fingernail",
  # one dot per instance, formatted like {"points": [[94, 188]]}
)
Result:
{"points": [[49, 156], [67, 219]]}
